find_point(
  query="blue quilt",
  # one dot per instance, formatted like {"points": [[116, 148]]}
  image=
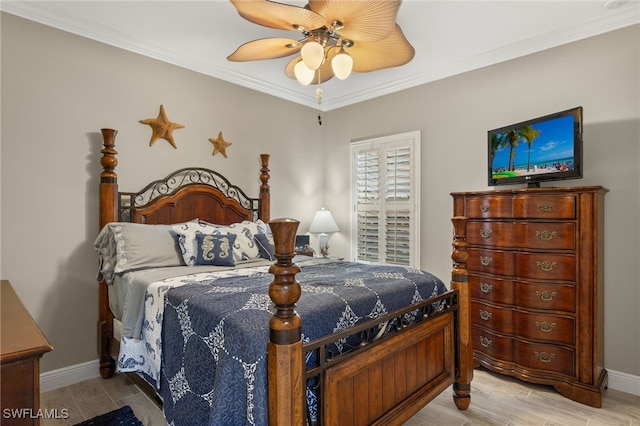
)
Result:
{"points": [[215, 333]]}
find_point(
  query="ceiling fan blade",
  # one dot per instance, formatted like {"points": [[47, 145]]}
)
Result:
{"points": [[364, 20], [278, 15], [265, 48], [324, 73], [393, 51]]}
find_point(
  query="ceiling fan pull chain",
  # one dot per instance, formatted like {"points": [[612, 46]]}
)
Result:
{"points": [[319, 99], [319, 96]]}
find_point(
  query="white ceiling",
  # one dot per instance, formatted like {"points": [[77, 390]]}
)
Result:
{"points": [[449, 37]]}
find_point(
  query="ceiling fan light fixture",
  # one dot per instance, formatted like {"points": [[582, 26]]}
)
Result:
{"points": [[367, 30], [312, 54], [303, 74], [342, 64]]}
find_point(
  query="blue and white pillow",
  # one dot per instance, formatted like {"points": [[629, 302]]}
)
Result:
{"points": [[215, 250], [265, 246], [244, 247], [186, 233]]}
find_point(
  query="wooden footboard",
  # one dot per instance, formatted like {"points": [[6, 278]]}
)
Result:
{"points": [[390, 382], [393, 377]]}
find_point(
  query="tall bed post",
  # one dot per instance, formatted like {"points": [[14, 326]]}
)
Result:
{"points": [[460, 282], [265, 195], [285, 367], [108, 213]]}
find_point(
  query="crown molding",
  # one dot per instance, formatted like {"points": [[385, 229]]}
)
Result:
{"points": [[39, 12]]}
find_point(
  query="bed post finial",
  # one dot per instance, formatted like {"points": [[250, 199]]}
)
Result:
{"points": [[108, 160], [284, 352], [265, 196], [460, 282]]}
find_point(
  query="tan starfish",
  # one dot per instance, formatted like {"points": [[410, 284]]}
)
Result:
{"points": [[162, 128], [220, 145]]}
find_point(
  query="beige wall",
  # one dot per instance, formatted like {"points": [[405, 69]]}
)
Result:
{"points": [[58, 90]]}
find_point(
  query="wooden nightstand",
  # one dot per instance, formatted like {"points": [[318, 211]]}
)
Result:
{"points": [[21, 346]]}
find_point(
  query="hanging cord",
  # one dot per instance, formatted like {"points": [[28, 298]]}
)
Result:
{"points": [[319, 97]]}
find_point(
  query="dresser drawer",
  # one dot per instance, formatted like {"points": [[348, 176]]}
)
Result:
{"points": [[491, 289], [545, 266], [491, 261], [495, 318], [544, 235], [493, 234], [545, 357], [488, 207], [491, 344], [545, 327], [544, 206], [555, 297]]}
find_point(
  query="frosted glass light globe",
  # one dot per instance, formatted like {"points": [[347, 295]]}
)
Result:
{"points": [[342, 65], [303, 74], [312, 54]]}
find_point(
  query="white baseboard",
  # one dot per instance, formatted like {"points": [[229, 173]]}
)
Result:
{"points": [[66, 376], [88, 370], [624, 382]]}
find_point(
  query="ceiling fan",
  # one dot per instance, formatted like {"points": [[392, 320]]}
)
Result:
{"points": [[337, 37]]}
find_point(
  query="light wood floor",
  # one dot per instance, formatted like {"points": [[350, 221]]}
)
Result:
{"points": [[495, 400]]}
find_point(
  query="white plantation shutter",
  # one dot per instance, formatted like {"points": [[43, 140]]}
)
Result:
{"points": [[385, 183]]}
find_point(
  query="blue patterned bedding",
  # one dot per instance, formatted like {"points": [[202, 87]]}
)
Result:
{"points": [[215, 333]]}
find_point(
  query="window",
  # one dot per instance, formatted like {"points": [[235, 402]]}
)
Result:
{"points": [[385, 190]]}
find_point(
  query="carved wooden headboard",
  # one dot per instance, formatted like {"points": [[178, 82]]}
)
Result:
{"points": [[184, 195]]}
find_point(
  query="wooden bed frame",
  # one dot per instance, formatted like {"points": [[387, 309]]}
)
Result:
{"points": [[384, 382]]}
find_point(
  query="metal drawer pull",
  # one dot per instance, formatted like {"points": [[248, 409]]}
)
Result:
{"points": [[546, 296], [486, 288], [484, 208], [486, 233], [546, 266], [486, 343], [486, 261], [545, 327], [485, 315], [545, 356], [546, 208], [546, 235]]}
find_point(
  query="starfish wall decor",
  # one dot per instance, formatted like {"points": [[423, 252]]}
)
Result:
{"points": [[220, 145], [162, 128]]}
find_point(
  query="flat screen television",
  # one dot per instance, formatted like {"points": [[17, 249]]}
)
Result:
{"points": [[544, 149]]}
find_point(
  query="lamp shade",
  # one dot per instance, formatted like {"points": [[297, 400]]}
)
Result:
{"points": [[323, 223]]}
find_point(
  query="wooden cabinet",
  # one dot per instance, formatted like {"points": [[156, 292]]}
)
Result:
{"points": [[536, 280], [21, 346]]}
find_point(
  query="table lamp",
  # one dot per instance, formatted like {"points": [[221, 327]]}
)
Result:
{"points": [[322, 224]]}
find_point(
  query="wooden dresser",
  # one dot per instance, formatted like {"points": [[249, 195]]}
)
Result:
{"points": [[21, 346], [536, 279]]}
